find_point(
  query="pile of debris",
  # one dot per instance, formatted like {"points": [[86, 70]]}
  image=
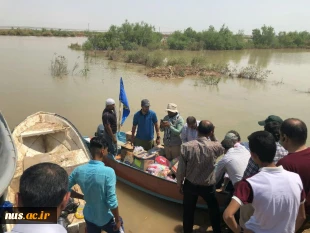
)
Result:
{"points": [[180, 71]]}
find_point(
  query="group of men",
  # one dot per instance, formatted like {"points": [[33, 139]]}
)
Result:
{"points": [[270, 182], [266, 177], [270, 185], [144, 123]]}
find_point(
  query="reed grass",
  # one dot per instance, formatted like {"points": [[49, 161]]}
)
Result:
{"points": [[59, 66]]}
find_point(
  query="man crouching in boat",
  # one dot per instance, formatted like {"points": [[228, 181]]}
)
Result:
{"points": [[98, 183]]}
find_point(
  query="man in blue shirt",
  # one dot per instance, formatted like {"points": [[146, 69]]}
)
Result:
{"points": [[146, 120], [97, 182]]}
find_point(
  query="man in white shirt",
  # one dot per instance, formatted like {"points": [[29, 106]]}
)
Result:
{"points": [[189, 131], [234, 163], [277, 195], [41, 186], [235, 160]]}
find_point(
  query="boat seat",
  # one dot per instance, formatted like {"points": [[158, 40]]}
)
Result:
{"points": [[64, 159], [31, 133]]}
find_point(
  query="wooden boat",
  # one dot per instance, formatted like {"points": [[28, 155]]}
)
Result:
{"points": [[47, 137], [150, 184], [153, 185]]}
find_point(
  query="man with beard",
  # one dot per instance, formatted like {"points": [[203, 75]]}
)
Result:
{"points": [[109, 121]]}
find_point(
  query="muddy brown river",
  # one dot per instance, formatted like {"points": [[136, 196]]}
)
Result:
{"points": [[27, 87]]}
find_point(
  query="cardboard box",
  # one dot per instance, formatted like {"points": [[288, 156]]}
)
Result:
{"points": [[143, 160], [126, 149]]}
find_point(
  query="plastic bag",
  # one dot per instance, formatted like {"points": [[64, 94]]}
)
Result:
{"points": [[158, 170], [162, 160]]}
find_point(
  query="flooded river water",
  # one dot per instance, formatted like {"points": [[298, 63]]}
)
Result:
{"points": [[27, 87]]}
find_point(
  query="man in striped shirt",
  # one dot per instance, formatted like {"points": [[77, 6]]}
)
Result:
{"points": [[196, 166], [272, 127]]}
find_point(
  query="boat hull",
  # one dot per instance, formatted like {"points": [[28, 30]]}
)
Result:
{"points": [[154, 185]]}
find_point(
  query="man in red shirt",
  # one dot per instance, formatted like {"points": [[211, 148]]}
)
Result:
{"points": [[293, 137]]}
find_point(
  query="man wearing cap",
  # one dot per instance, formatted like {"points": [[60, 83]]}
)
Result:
{"points": [[109, 121], [271, 118], [271, 125], [172, 125], [146, 120]]}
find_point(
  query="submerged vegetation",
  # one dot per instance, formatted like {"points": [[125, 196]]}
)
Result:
{"points": [[250, 72], [210, 80], [59, 66], [165, 65]]}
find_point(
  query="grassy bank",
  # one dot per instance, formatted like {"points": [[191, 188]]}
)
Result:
{"points": [[43, 32]]}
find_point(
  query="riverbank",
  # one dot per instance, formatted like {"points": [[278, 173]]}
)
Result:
{"points": [[43, 32]]}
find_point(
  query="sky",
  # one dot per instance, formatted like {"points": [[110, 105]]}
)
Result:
{"points": [[164, 15]]}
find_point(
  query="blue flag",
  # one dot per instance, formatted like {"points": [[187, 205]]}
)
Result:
{"points": [[123, 99]]}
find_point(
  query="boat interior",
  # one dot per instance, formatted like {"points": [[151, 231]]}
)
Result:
{"points": [[46, 137]]}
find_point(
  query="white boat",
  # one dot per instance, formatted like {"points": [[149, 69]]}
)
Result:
{"points": [[48, 137]]}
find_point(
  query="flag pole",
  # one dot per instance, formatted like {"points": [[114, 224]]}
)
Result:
{"points": [[119, 116]]}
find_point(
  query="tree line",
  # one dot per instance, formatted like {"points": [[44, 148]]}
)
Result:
{"points": [[42, 32], [131, 36], [128, 36]]}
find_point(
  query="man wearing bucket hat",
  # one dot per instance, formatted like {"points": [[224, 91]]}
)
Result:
{"points": [[172, 125]]}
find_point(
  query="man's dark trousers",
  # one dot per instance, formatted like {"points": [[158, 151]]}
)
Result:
{"points": [[190, 197]]}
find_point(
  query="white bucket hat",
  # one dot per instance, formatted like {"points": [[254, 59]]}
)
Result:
{"points": [[172, 107]]}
